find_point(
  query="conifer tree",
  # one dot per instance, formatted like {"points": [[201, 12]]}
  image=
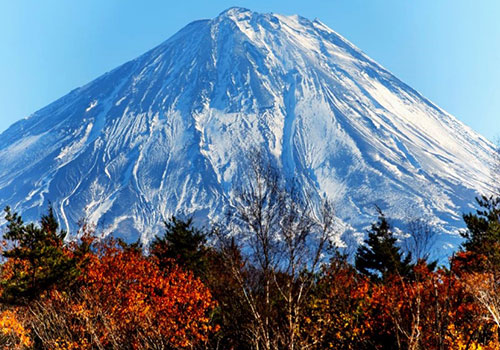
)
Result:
{"points": [[184, 244], [380, 257], [36, 259], [483, 230]]}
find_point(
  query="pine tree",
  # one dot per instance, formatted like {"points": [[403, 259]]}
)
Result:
{"points": [[35, 258], [183, 244], [482, 236], [380, 257]]}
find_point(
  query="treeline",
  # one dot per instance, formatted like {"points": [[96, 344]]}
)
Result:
{"points": [[267, 277]]}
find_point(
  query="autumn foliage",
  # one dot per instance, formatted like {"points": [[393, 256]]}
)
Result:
{"points": [[118, 298], [143, 304], [187, 294]]}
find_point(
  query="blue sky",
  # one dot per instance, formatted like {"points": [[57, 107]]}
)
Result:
{"points": [[449, 50]]}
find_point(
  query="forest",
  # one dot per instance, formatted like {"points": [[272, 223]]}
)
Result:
{"points": [[267, 276]]}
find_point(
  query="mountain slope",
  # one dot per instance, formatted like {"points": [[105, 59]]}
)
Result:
{"points": [[168, 131]]}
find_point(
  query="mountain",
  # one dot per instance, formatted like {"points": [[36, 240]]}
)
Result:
{"points": [[168, 132]]}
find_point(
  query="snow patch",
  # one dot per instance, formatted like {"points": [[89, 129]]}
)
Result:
{"points": [[91, 106]]}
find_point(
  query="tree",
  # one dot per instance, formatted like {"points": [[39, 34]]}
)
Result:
{"points": [[283, 241], [126, 302], [143, 304], [339, 310], [36, 258], [420, 241], [183, 244], [380, 257], [482, 236], [232, 313]]}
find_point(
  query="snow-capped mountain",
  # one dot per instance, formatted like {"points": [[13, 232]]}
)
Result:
{"points": [[168, 131]]}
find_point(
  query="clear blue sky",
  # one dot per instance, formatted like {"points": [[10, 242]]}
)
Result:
{"points": [[449, 50]]}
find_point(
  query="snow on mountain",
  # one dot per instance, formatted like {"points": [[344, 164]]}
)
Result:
{"points": [[167, 133]]}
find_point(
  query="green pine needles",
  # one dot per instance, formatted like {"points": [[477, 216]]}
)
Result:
{"points": [[380, 256], [38, 258]]}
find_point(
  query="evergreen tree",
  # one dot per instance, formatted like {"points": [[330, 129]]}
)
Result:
{"points": [[380, 257], [36, 258], [182, 243], [482, 236]]}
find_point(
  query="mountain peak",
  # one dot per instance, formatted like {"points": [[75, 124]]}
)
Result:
{"points": [[234, 11], [169, 132]]}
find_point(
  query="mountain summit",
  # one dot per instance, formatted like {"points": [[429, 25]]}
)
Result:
{"points": [[169, 131]]}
